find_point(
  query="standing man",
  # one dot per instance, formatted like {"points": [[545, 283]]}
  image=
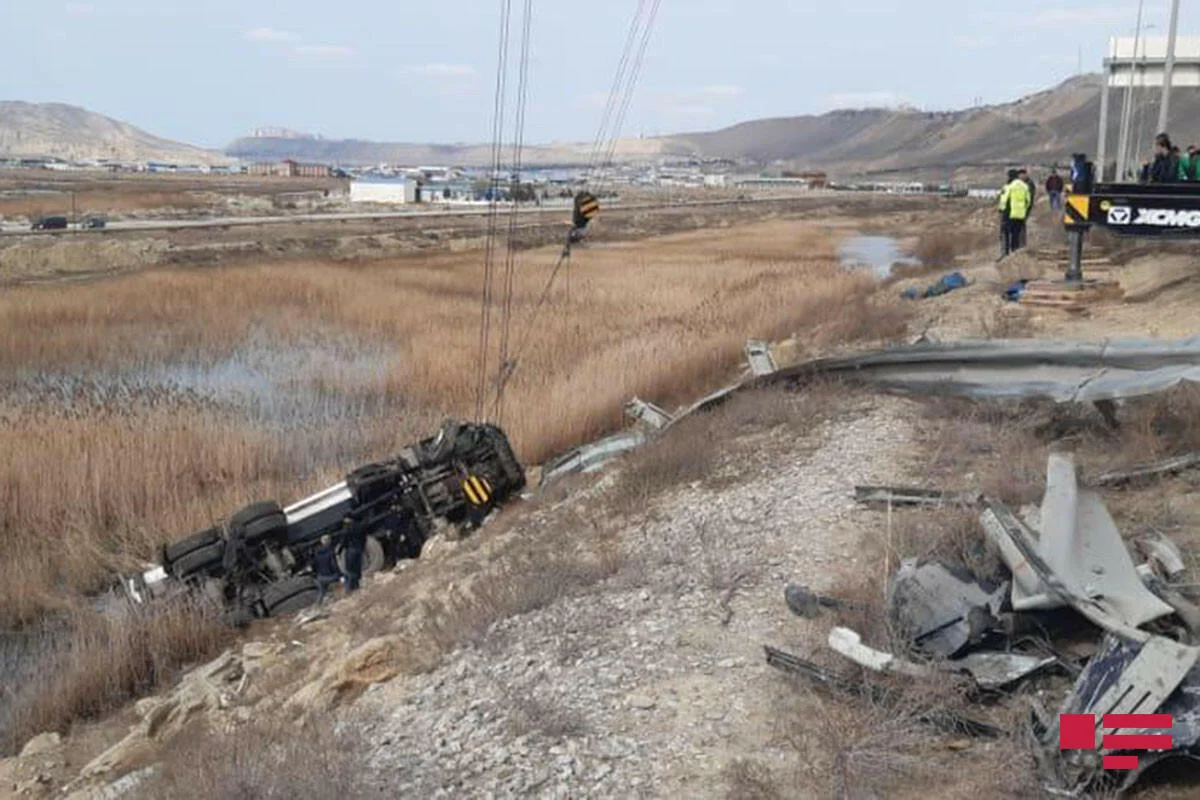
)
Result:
{"points": [[1054, 190], [356, 542], [326, 568], [1015, 201]]}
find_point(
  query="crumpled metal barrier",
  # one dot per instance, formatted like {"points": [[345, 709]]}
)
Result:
{"points": [[1061, 370]]}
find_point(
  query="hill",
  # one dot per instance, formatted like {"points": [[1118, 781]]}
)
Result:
{"points": [[1041, 128], [359, 152], [73, 133]]}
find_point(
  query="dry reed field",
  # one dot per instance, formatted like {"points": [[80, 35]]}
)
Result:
{"points": [[138, 409]]}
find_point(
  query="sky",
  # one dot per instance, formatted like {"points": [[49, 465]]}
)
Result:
{"points": [[208, 71]]}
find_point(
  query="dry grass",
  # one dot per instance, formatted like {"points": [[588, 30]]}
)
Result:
{"points": [[98, 661], [261, 761], [141, 408]]}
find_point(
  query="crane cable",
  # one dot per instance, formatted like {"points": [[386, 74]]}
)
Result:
{"points": [[510, 254], [619, 101], [493, 206]]}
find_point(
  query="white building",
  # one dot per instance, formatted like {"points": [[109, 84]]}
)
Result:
{"points": [[383, 190]]}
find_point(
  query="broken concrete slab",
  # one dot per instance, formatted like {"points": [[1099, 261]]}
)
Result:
{"points": [[942, 611]]}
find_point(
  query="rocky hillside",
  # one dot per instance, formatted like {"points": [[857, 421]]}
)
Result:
{"points": [[73, 133], [1038, 129]]}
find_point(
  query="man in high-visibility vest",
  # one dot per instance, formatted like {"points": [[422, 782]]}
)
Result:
{"points": [[1014, 205]]}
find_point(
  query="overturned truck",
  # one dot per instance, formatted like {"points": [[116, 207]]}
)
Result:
{"points": [[257, 563]]}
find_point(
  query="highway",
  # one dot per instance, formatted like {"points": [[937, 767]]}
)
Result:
{"points": [[15, 229]]}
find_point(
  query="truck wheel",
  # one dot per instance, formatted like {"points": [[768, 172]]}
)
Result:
{"points": [[514, 473], [177, 550], [260, 522], [374, 557], [291, 594], [199, 560]]}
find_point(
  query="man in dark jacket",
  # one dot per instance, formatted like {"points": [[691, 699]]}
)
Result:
{"points": [[326, 567], [1165, 167], [356, 542], [1054, 190]]}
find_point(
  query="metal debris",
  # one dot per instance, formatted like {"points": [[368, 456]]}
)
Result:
{"points": [[758, 355], [590, 457], [819, 676], [1083, 560], [940, 610], [900, 496], [849, 644], [808, 604], [648, 413], [1123, 678], [1163, 556], [1155, 469], [1064, 371], [998, 670]]}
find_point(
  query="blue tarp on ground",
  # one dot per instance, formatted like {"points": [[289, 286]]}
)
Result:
{"points": [[947, 283]]}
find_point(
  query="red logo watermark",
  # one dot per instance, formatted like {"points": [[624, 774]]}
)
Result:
{"points": [[1078, 732]]}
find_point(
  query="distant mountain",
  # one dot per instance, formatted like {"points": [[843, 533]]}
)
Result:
{"points": [[355, 152], [1041, 128], [73, 133]]}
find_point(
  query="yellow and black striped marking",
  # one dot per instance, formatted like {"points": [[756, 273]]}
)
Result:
{"points": [[1077, 208], [478, 490], [587, 205]]}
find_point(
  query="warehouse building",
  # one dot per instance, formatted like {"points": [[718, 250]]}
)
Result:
{"points": [[383, 190], [291, 169]]}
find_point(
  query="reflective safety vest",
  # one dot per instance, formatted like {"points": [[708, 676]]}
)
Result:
{"points": [[1015, 199]]}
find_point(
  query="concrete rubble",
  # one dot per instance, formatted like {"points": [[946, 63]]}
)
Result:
{"points": [[1065, 556]]}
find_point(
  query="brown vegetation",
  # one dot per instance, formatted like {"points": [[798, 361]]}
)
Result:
{"points": [[144, 407], [264, 760], [95, 662]]}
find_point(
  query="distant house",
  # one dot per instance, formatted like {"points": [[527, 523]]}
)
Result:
{"points": [[289, 168], [397, 191]]}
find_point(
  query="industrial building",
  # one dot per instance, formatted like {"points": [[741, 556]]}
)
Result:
{"points": [[396, 191], [291, 169]]}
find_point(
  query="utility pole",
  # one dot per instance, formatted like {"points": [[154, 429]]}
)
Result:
{"points": [[1123, 145], [1164, 110]]}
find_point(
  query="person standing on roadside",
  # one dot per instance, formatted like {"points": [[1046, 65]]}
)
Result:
{"points": [[1002, 205], [1054, 190], [1014, 204]]}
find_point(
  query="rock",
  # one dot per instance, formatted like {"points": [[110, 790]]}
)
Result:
{"points": [[438, 547], [41, 743], [959, 744], [256, 650], [641, 702], [344, 681], [144, 707]]}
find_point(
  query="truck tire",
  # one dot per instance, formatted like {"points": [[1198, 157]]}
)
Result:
{"points": [[291, 594], [514, 473], [200, 560], [177, 550], [374, 557], [260, 522]]}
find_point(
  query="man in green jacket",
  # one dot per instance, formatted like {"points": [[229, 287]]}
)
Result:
{"points": [[1013, 205]]}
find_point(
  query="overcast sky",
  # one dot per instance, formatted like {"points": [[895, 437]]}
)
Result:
{"points": [[207, 71]]}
